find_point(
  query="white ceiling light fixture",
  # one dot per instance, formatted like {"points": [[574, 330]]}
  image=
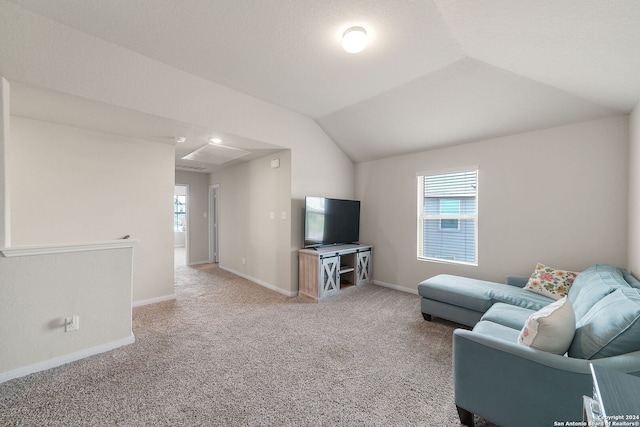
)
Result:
{"points": [[354, 39], [215, 140], [180, 139]]}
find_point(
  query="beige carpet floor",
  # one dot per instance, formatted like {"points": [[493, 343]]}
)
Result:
{"points": [[228, 352]]}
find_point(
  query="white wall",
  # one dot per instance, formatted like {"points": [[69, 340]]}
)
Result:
{"points": [[40, 291], [46, 54], [252, 199], [73, 185], [634, 191], [197, 211], [250, 192], [316, 170], [556, 196]]}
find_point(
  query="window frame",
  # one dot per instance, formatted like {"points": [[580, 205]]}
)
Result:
{"points": [[422, 216]]}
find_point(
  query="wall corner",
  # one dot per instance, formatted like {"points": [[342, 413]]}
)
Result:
{"points": [[5, 213], [633, 261]]}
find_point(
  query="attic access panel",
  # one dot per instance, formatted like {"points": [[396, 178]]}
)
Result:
{"points": [[216, 154]]}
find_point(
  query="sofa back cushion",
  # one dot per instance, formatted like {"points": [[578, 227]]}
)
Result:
{"points": [[632, 281], [610, 328], [593, 284], [518, 297]]}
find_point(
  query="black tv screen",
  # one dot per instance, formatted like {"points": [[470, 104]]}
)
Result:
{"points": [[331, 221]]}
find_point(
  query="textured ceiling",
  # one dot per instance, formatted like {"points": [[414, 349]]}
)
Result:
{"points": [[434, 72]]}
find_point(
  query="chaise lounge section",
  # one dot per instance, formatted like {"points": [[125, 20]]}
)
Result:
{"points": [[465, 300], [510, 384]]}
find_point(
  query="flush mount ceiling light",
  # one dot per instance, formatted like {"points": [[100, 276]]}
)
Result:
{"points": [[180, 139], [354, 39], [215, 140]]}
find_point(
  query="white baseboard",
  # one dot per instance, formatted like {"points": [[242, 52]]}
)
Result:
{"points": [[67, 358], [153, 300], [260, 282], [396, 287]]}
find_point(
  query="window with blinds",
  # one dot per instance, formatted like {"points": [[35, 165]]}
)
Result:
{"points": [[448, 217], [179, 213]]}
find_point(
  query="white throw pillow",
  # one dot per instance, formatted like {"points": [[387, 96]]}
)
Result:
{"points": [[551, 328]]}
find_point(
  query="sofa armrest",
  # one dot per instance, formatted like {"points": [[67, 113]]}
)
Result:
{"points": [[510, 384], [518, 281]]}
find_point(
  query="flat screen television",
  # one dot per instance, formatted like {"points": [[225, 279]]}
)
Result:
{"points": [[331, 221]]}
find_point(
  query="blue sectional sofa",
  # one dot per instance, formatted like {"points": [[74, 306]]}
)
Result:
{"points": [[510, 384]]}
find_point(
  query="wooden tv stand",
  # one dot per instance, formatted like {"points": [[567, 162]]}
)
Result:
{"points": [[326, 270]]}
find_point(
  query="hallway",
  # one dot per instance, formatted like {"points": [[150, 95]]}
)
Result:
{"points": [[179, 256]]}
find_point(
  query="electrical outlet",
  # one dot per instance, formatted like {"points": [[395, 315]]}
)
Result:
{"points": [[72, 324]]}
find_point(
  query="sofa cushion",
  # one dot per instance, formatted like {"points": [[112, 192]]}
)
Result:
{"points": [[508, 315], [550, 282], [632, 281], [592, 285], [611, 327], [518, 297], [477, 295], [457, 290], [496, 330], [551, 328]]}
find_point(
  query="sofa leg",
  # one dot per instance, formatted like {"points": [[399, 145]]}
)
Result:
{"points": [[466, 417], [427, 317]]}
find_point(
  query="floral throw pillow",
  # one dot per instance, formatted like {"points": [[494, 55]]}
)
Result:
{"points": [[550, 282]]}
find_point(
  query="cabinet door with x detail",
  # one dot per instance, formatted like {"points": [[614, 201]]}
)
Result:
{"points": [[364, 267], [330, 276]]}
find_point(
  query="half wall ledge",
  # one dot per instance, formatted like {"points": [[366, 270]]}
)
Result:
{"points": [[20, 251], [42, 286]]}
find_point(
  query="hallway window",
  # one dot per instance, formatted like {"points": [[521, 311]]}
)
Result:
{"points": [[179, 213]]}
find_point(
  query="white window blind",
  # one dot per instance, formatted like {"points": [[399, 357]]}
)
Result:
{"points": [[448, 216]]}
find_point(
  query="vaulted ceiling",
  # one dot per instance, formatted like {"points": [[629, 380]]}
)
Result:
{"points": [[435, 72]]}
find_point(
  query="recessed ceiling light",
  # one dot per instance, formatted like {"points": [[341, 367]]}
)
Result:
{"points": [[215, 140], [180, 139], [354, 39]]}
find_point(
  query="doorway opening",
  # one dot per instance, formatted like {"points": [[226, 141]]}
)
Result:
{"points": [[214, 235], [180, 225]]}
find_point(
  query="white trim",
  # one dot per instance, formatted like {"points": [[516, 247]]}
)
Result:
{"points": [[163, 298], [67, 358], [445, 171], [214, 223], [19, 251], [260, 282], [395, 287]]}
